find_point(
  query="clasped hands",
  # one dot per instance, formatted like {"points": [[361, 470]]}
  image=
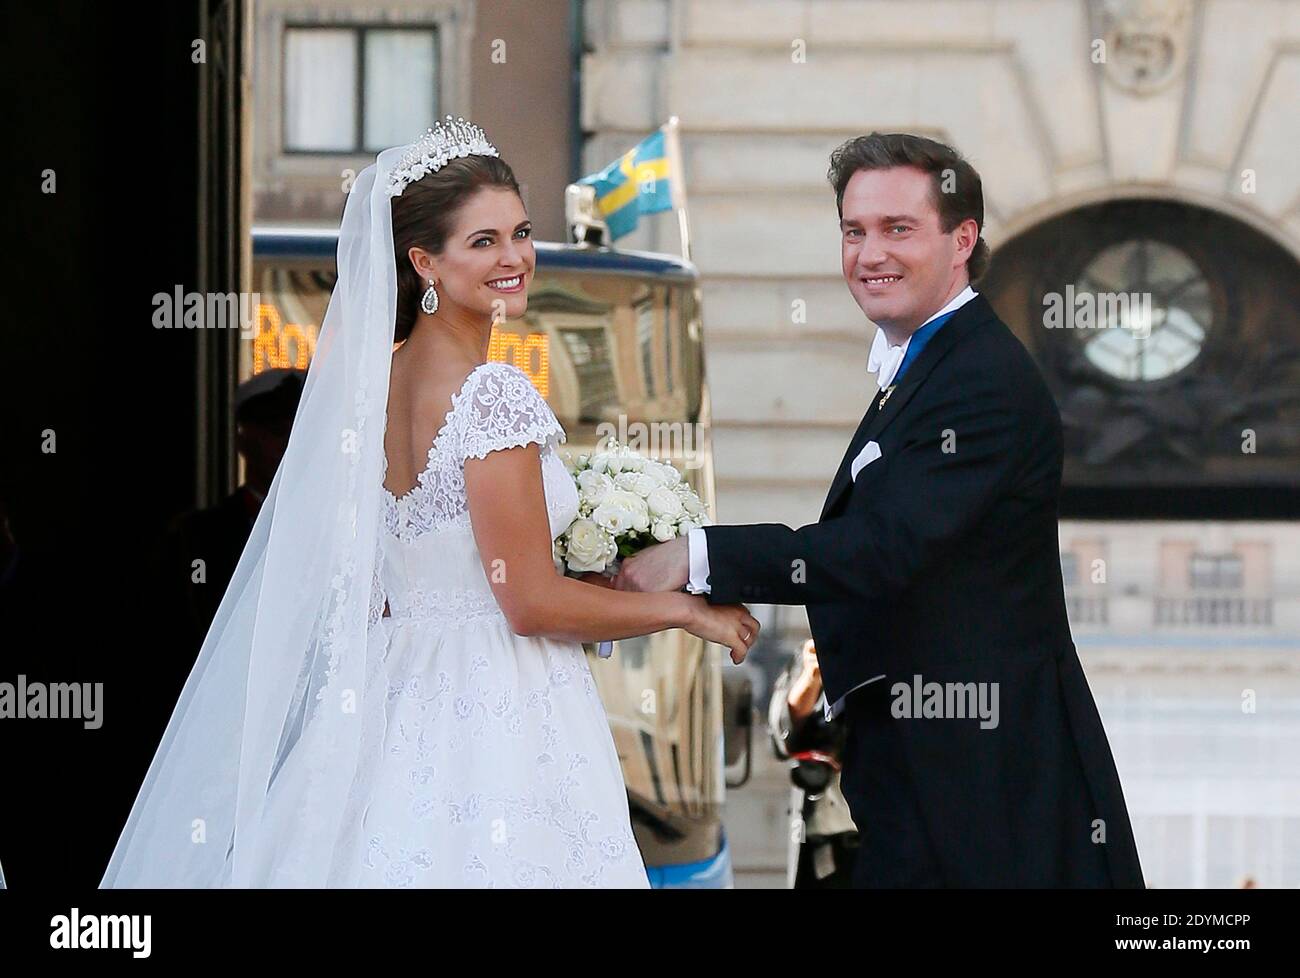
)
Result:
{"points": [[666, 567]]}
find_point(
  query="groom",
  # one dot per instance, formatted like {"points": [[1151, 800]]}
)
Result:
{"points": [[975, 755]]}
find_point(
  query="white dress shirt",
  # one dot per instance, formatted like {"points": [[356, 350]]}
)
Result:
{"points": [[884, 362]]}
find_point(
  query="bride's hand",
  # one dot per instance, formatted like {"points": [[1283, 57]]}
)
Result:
{"points": [[727, 624]]}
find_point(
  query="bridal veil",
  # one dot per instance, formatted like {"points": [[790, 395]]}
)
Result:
{"points": [[251, 784]]}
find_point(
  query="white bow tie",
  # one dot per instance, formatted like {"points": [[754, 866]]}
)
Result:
{"points": [[884, 360]]}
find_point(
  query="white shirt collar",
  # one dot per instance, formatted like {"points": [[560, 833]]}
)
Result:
{"points": [[884, 360]]}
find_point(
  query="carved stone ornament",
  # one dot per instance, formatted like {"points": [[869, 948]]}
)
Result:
{"points": [[1146, 42]]}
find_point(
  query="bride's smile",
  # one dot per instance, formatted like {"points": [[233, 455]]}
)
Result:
{"points": [[512, 284]]}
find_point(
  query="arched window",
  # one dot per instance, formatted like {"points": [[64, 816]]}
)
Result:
{"points": [[1170, 335]]}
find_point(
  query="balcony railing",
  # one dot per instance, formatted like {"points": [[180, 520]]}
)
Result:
{"points": [[1213, 609]]}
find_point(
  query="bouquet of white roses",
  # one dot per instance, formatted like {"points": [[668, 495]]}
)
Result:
{"points": [[626, 502]]}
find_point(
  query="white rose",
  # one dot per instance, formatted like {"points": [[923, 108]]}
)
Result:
{"points": [[638, 482], [663, 531], [668, 475], [621, 511], [641, 515], [664, 504], [653, 471], [593, 486], [590, 548], [691, 503]]}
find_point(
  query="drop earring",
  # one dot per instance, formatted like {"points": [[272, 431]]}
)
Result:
{"points": [[429, 301]]}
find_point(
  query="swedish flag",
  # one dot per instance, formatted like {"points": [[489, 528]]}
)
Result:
{"points": [[641, 181]]}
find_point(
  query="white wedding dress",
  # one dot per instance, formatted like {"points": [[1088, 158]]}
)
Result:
{"points": [[487, 759], [320, 743]]}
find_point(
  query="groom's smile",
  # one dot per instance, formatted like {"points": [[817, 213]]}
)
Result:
{"points": [[878, 283]]}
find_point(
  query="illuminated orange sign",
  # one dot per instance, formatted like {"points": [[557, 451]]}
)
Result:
{"points": [[530, 352], [271, 345], [281, 344]]}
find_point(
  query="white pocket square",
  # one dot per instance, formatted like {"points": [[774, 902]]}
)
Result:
{"points": [[870, 452]]}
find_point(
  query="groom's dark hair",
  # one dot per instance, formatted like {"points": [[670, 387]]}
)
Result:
{"points": [[955, 186]]}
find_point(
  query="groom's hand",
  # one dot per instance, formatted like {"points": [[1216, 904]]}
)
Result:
{"points": [[663, 567]]}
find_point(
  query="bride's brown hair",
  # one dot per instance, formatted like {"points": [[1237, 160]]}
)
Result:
{"points": [[422, 218]]}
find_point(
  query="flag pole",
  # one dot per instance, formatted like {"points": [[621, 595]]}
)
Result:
{"points": [[673, 139]]}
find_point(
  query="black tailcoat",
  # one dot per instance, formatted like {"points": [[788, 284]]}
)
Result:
{"points": [[940, 564]]}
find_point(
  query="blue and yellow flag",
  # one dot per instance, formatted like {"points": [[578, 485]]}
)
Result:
{"points": [[641, 181]]}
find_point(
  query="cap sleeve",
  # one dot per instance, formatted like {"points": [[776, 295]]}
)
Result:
{"points": [[504, 410]]}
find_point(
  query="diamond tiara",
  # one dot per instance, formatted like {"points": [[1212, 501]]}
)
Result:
{"points": [[447, 140]]}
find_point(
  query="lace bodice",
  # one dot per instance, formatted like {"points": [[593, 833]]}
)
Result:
{"points": [[429, 567]]}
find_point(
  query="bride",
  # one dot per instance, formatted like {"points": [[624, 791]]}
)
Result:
{"points": [[393, 692]]}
